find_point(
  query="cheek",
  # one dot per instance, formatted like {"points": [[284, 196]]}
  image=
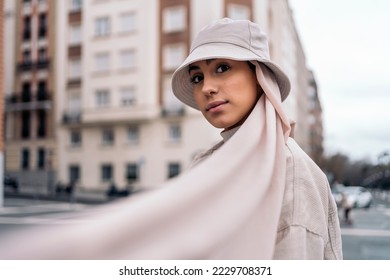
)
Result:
{"points": [[197, 98]]}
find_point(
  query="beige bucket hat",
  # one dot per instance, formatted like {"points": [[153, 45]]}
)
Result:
{"points": [[231, 39]]}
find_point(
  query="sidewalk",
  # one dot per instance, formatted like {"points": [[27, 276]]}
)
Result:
{"points": [[84, 197]]}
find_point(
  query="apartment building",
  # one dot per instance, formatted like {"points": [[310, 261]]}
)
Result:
{"points": [[2, 14], [91, 102], [316, 138], [119, 122], [287, 51], [30, 133]]}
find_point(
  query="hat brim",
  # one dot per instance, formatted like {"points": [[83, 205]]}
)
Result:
{"points": [[182, 87]]}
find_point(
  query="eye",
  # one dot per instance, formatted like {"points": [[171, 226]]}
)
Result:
{"points": [[222, 68], [196, 79]]}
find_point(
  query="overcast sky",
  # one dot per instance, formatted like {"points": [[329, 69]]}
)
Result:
{"points": [[347, 44]]}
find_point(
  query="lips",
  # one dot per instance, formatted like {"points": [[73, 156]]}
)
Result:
{"points": [[215, 104]]}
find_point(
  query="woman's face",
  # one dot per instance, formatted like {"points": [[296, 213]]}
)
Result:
{"points": [[225, 90]]}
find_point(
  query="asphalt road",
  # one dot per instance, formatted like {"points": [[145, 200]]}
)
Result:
{"points": [[368, 238]]}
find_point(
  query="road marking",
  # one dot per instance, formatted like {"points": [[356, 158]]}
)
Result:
{"points": [[365, 232]]}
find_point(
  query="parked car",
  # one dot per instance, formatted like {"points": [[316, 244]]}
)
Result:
{"points": [[11, 182], [359, 196], [337, 191]]}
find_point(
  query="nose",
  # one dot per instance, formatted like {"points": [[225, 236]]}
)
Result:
{"points": [[210, 86]]}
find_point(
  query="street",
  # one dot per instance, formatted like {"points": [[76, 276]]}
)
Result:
{"points": [[368, 238]]}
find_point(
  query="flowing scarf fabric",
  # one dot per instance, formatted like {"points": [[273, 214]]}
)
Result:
{"points": [[227, 207]]}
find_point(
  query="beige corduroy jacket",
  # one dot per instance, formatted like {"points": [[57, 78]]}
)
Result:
{"points": [[309, 226]]}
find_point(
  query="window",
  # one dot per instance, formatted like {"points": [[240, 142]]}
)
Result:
{"points": [[42, 91], [128, 22], [26, 92], [127, 59], [41, 129], [102, 61], [107, 137], [173, 56], [26, 57], [238, 12], [102, 98], [174, 132], [132, 172], [173, 169], [75, 68], [171, 104], [106, 172], [26, 116], [42, 26], [41, 158], [25, 160], [42, 56], [75, 138], [74, 103], [75, 5], [27, 28], [174, 19], [133, 134], [128, 96], [74, 173], [75, 34], [102, 26]]}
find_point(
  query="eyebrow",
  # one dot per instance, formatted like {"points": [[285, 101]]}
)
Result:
{"points": [[194, 67]]}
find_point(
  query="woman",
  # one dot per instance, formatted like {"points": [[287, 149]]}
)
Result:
{"points": [[255, 195], [227, 72]]}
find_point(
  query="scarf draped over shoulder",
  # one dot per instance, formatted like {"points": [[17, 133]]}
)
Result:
{"points": [[227, 207]]}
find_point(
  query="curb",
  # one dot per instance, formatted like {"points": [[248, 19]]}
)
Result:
{"points": [[84, 199]]}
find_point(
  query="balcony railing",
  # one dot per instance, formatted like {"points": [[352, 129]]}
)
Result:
{"points": [[172, 111], [38, 101], [38, 96], [71, 117], [25, 66], [136, 113], [29, 66]]}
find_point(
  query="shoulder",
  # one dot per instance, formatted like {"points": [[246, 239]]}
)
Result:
{"points": [[303, 167], [307, 194], [308, 207], [203, 155]]}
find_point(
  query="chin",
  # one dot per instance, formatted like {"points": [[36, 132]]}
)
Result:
{"points": [[222, 126]]}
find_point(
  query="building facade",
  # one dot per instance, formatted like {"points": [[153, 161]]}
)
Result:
{"points": [[2, 20], [119, 123], [316, 138], [91, 103], [30, 133]]}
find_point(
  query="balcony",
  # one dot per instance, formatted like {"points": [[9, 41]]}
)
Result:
{"points": [[17, 102], [25, 66], [42, 64], [138, 113], [71, 117], [75, 15], [74, 82], [29, 65], [178, 111]]}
